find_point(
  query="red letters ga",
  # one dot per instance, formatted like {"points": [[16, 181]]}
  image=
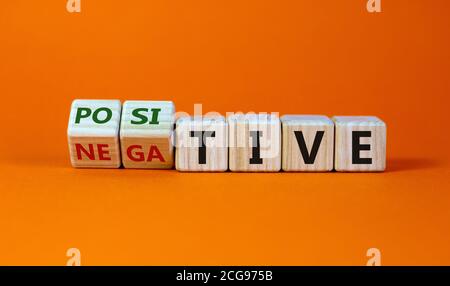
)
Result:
{"points": [[102, 151], [139, 156]]}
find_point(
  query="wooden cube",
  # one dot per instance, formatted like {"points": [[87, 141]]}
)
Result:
{"points": [[255, 143], [93, 133], [146, 134], [202, 144], [308, 143], [360, 144]]}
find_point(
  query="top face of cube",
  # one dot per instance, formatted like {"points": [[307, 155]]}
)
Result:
{"points": [[147, 119], [94, 118], [271, 119], [358, 121], [201, 120], [306, 120]]}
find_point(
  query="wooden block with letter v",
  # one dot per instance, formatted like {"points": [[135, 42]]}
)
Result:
{"points": [[146, 134], [308, 142], [201, 144], [360, 144], [93, 133], [255, 143]]}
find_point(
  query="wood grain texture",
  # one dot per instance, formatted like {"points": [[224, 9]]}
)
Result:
{"points": [[242, 144], [94, 143], [147, 134], [307, 128], [213, 132], [373, 137]]}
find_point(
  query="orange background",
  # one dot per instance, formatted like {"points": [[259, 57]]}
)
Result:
{"points": [[300, 56]]}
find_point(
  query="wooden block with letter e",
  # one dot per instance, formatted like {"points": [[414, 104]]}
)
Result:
{"points": [[255, 143], [308, 142], [201, 144], [360, 144], [93, 133], [146, 134]]}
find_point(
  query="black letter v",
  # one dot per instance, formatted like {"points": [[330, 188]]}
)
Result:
{"points": [[309, 158]]}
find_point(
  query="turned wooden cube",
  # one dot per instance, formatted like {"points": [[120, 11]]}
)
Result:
{"points": [[201, 144], [146, 134], [93, 133], [308, 143], [255, 143], [360, 144]]}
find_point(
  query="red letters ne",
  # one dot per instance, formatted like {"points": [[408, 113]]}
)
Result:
{"points": [[102, 150]]}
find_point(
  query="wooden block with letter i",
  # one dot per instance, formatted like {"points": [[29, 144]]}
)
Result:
{"points": [[360, 144], [308, 142], [201, 144], [255, 143], [93, 133], [146, 134]]}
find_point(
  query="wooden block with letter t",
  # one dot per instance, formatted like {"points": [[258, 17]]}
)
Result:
{"points": [[146, 134], [93, 133], [360, 144], [308, 142], [255, 143], [202, 144]]}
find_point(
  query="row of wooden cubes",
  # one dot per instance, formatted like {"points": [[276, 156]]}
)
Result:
{"points": [[144, 134]]}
